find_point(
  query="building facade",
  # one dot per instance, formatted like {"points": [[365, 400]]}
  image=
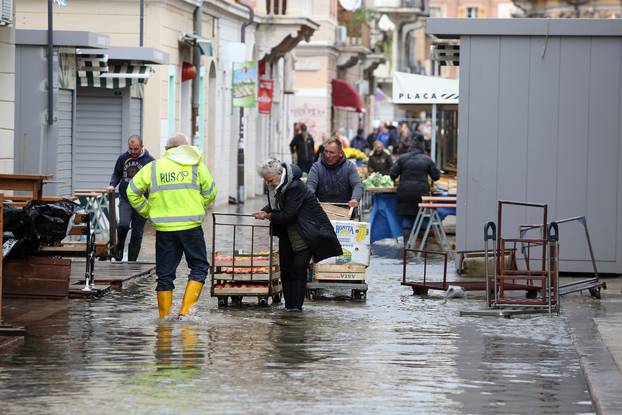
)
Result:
{"points": [[7, 91], [204, 38]]}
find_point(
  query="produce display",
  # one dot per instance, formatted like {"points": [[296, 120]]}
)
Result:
{"points": [[353, 153], [377, 180]]}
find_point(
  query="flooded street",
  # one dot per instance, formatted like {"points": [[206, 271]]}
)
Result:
{"points": [[396, 353]]}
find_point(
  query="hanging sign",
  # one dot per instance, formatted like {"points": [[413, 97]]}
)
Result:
{"points": [[264, 97], [244, 84]]}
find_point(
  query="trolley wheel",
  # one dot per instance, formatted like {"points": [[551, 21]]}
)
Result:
{"points": [[311, 294], [276, 299], [236, 300], [359, 295], [595, 292], [263, 301], [223, 301], [420, 291]]}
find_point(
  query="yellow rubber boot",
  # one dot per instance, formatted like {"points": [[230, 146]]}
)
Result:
{"points": [[191, 296], [165, 302]]}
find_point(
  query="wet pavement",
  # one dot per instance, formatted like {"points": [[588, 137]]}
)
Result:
{"points": [[395, 353]]}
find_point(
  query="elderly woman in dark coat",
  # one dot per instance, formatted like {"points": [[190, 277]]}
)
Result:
{"points": [[303, 229], [413, 170]]}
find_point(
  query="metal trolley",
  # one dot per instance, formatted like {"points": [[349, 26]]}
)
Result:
{"points": [[241, 273], [343, 277]]}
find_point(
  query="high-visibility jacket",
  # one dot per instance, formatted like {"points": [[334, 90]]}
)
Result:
{"points": [[178, 187]]}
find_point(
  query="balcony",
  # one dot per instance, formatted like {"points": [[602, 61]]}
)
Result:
{"points": [[400, 10]]}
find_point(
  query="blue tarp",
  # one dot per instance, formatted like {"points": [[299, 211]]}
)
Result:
{"points": [[385, 222]]}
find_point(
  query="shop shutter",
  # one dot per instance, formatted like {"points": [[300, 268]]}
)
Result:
{"points": [[64, 110], [98, 137]]}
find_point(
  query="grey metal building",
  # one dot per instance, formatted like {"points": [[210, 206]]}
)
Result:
{"points": [[97, 106], [540, 121]]}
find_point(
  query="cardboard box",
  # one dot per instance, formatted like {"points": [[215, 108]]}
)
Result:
{"points": [[355, 242]]}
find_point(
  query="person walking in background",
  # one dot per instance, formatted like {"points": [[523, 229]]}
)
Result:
{"points": [[413, 170], [302, 147], [380, 160], [127, 165], [405, 140], [394, 137], [383, 135], [180, 188], [333, 178], [371, 137], [359, 142], [303, 229]]}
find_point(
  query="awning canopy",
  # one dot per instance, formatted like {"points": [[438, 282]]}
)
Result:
{"points": [[345, 97], [420, 89]]}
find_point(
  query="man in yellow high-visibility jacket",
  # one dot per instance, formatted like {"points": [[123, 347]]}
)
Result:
{"points": [[179, 187]]}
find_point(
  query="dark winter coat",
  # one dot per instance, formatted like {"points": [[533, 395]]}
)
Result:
{"points": [[295, 204], [125, 168], [339, 183], [304, 148], [413, 170], [359, 142], [380, 163]]}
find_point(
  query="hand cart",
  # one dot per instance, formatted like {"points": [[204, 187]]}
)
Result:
{"points": [[243, 271], [346, 276]]}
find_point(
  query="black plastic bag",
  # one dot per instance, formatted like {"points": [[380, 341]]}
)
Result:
{"points": [[18, 225], [51, 220]]}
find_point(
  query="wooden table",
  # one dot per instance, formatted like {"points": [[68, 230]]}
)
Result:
{"points": [[24, 182]]}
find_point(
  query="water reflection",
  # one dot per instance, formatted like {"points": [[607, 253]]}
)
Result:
{"points": [[396, 353]]}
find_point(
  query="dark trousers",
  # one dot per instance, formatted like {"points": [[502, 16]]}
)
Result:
{"points": [[169, 248], [305, 165], [129, 219], [294, 266]]}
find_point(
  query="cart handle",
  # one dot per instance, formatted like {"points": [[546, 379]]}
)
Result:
{"points": [[490, 231], [553, 232], [245, 215]]}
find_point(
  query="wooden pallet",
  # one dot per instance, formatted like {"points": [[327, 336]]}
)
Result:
{"points": [[339, 276], [339, 267]]}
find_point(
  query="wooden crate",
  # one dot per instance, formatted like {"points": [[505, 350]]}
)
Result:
{"points": [[260, 277], [36, 276], [249, 289], [337, 212], [339, 276], [339, 268]]}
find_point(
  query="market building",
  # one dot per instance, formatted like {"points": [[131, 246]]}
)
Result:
{"points": [[7, 86]]}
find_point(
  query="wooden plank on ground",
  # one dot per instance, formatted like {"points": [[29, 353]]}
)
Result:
{"points": [[35, 276]]}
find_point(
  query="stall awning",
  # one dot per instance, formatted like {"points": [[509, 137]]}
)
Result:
{"points": [[410, 88], [345, 97], [95, 71]]}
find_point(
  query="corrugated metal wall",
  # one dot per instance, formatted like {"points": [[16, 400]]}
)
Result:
{"points": [[98, 137], [64, 148], [136, 116], [540, 122]]}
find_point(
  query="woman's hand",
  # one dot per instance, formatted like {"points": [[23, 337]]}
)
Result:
{"points": [[261, 215]]}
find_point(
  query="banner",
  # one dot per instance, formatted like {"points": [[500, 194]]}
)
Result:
{"points": [[244, 84], [264, 97]]}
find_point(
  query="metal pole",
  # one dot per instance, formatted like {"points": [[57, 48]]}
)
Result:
{"points": [[433, 149], [142, 23], [50, 56], [241, 195]]}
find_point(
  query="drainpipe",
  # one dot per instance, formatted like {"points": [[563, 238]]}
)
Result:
{"points": [[241, 195], [50, 62], [196, 82], [142, 23]]}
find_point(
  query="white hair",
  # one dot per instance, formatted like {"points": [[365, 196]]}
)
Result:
{"points": [[178, 139], [272, 166]]}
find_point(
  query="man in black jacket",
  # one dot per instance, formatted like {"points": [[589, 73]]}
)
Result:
{"points": [[302, 147], [300, 223], [127, 165], [413, 170]]}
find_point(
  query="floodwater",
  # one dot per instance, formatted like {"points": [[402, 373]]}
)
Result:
{"points": [[393, 354]]}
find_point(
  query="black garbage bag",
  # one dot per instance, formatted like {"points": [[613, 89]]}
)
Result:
{"points": [[18, 226], [51, 220]]}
